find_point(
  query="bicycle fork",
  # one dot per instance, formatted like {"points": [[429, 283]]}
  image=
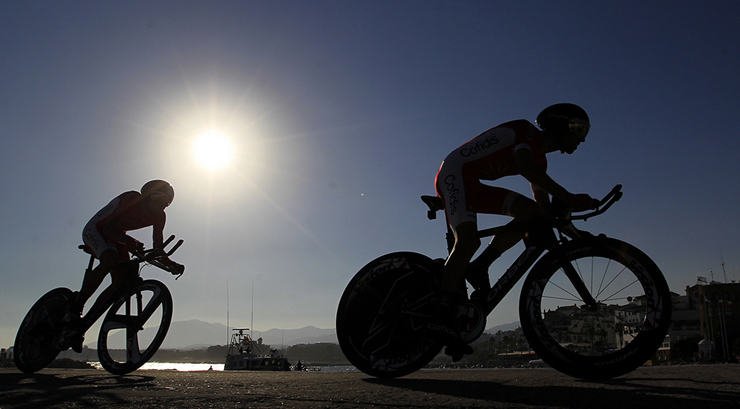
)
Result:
{"points": [[579, 285]]}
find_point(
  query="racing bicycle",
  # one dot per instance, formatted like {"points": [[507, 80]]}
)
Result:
{"points": [[592, 306], [123, 343]]}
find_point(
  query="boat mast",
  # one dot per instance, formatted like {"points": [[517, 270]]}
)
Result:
{"points": [[251, 325], [228, 332]]}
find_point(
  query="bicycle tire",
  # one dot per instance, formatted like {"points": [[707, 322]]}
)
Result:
{"points": [[628, 324], [383, 311], [34, 346], [156, 302]]}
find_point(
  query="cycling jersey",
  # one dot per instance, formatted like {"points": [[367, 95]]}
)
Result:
{"points": [[488, 156], [130, 213]]}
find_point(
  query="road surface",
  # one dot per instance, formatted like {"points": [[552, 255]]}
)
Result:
{"points": [[689, 386]]}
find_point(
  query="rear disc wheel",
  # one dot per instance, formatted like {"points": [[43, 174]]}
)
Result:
{"points": [[383, 313], [35, 345]]}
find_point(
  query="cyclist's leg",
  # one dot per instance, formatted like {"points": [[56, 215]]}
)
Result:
{"points": [[455, 187], [453, 278], [497, 200], [451, 187], [109, 259], [118, 274], [466, 244], [108, 253], [522, 209]]}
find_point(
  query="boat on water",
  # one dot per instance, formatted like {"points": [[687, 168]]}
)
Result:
{"points": [[245, 354]]}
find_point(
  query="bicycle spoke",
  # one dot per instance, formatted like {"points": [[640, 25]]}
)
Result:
{"points": [[611, 297], [568, 292], [120, 321], [151, 307], [150, 303], [619, 274], [133, 352]]}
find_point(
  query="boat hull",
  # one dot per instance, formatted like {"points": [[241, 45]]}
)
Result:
{"points": [[242, 362]]}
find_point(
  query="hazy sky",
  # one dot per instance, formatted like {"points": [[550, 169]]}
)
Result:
{"points": [[340, 113]]}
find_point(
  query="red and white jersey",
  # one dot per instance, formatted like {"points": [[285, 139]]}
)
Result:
{"points": [[130, 213], [488, 156]]}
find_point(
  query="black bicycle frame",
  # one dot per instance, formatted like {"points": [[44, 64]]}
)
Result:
{"points": [[132, 267], [94, 314], [512, 275], [543, 241]]}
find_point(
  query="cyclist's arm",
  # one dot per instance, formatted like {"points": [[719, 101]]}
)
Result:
{"points": [[112, 231], [542, 198], [538, 177], [158, 243], [158, 232]]}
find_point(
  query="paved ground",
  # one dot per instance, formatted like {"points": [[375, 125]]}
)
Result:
{"points": [[692, 386]]}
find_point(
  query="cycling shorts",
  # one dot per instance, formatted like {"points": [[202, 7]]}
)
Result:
{"points": [[464, 196], [96, 241]]}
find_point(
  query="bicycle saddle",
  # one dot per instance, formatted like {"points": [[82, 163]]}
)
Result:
{"points": [[434, 203]]}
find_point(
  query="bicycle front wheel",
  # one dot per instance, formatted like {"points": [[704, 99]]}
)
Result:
{"points": [[619, 332], [124, 345], [383, 312], [35, 345]]}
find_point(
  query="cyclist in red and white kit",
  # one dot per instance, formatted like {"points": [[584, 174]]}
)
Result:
{"points": [[105, 236], [512, 148]]}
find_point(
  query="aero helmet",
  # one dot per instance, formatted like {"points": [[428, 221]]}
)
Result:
{"points": [[159, 186], [564, 117]]}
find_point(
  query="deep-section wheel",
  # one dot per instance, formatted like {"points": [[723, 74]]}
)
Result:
{"points": [[617, 330]]}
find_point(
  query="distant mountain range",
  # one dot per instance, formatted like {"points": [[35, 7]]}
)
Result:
{"points": [[193, 334]]}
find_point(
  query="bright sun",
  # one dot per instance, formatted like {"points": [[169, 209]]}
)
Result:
{"points": [[213, 150]]}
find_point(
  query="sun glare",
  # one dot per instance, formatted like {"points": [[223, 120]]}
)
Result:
{"points": [[213, 150]]}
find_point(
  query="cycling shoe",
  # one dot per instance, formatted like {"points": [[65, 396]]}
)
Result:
{"points": [[76, 343], [70, 338], [456, 351]]}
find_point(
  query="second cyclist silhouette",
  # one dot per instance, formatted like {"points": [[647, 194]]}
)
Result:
{"points": [[105, 237]]}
